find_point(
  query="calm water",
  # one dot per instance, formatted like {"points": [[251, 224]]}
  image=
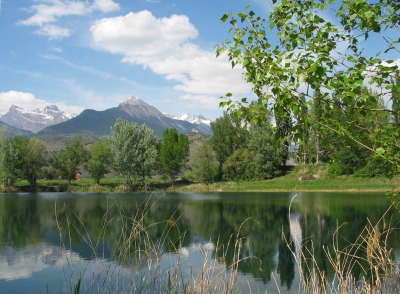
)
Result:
{"points": [[48, 240]]}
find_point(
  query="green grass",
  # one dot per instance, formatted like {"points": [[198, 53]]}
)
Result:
{"points": [[287, 183]]}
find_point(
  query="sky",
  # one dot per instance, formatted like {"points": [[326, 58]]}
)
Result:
{"points": [[95, 54]]}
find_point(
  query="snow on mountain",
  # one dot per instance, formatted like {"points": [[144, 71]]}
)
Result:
{"points": [[36, 119], [194, 119]]}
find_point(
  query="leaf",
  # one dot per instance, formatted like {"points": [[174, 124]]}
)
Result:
{"points": [[224, 17], [379, 151], [220, 50]]}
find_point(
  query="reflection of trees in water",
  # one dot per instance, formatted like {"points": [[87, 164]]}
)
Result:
{"points": [[19, 222], [325, 233], [125, 229], [262, 235], [110, 224]]}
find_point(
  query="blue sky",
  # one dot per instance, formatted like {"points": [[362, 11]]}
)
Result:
{"points": [[81, 54]]}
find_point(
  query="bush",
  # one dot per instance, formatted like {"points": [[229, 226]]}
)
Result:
{"points": [[335, 169]]}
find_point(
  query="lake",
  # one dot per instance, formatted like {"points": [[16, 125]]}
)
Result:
{"points": [[54, 242]]}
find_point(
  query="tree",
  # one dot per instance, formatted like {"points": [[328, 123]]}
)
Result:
{"points": [[266, 154], [14, 157], [32, 161], [133, 150], [99, 161], [308, 57], [3, 147], [229, 134], [174, 152], [69, 160], [204, 163], [237, 166]]}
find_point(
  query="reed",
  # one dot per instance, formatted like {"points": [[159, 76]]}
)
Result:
{"points": [[139, 264], [370, 251]]}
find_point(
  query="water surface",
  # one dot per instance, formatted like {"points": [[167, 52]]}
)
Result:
{"points": [[47, 240]]}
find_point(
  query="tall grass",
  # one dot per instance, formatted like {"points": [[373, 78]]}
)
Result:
{"points": [[380, 268], [139, 263]]}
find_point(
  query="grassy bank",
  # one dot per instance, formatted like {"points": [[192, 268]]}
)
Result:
{"points": [[301, 178]]}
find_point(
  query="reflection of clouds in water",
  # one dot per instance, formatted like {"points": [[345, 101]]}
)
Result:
{"points": [[23, 262], [185, 251]]}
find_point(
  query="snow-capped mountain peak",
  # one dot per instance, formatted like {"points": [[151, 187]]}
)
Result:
{"points": [[36, 119], [194, 119]]}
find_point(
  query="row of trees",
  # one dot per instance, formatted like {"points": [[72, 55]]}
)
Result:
{"points": [[136, 152], [132, 151]]}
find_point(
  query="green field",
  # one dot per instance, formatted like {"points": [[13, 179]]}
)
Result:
{"points": [[290, 183]]}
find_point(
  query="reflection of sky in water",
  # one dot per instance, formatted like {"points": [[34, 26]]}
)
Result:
{"points": [[28, 270], [22, 262]]}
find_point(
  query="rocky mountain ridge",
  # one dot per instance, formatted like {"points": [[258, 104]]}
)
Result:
{"points": [[99, 123], [36, 119]]}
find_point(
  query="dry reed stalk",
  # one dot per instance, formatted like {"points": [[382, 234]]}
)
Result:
{"points": [[384, 271], [137, 258]]}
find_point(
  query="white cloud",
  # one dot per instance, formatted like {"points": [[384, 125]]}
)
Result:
{"points": [[54, 32], [162, 44], [141, 37], [49, 11], [21, 99], [57, 49], [29, 101], [105, 5]]}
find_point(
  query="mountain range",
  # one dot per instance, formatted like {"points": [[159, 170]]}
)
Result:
{"points": [[99, 123], [36, 119]]}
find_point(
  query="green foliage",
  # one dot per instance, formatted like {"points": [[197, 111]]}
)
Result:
{"points": [[99, 161], [3, 146], [266, 154], [229, 134], [34, 156], [204, 163], [68, 161], [237, 166], [307, 63], [174, 152], [133, 149], [15, 150]]}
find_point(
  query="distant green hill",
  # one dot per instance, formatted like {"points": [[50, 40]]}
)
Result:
{"points": [[12, 131]]}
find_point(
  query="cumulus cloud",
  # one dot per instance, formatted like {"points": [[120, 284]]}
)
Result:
{"points": [[163, 45], [29, 101], [49, 11], [141, 37]]}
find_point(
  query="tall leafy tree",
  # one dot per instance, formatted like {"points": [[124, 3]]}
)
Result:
{"points": [[69, 160], [204, 163], [266, 154], [133, 149], [229, 134], [174, 152], [32, 163], [306, 56], [14, 157], [3, 147], [99, 161]]}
